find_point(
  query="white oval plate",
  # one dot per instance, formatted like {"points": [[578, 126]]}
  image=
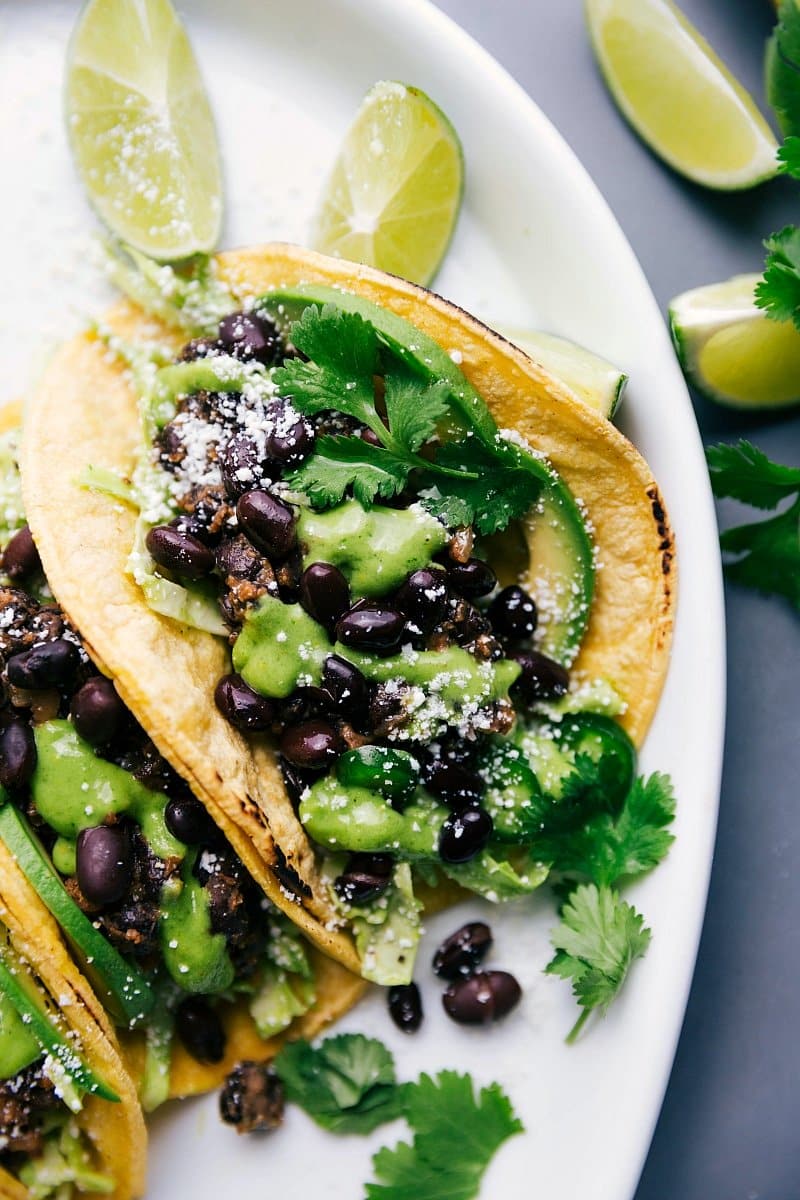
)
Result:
{"points": [[536, 243]]}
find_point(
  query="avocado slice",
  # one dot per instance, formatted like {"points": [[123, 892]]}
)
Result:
{"points": [[561, 576], [46, 1022], [124, 990]]}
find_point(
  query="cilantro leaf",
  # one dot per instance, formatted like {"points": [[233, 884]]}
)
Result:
{"points": [[783, 68], [599, 938], [347, 1084], [340, 462], [413, 409], [478, 487], [789, 157], [745, 473], [606, 848], [444, 1112], [343, 352], [779, 291], [768, 551]]}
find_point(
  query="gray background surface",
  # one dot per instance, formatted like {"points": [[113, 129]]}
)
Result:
{"points": [[730, 1127]]}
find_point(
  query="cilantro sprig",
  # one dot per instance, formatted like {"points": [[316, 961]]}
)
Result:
{"points": [[347, 1084], [597, 941], [783, 68], [763, 554], [348, 369]]}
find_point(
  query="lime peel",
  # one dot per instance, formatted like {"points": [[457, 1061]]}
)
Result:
{"points": [[394, 194], [730, 351], [596, 382], [679, 96]]}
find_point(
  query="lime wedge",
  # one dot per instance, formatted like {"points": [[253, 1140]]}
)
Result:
{"points": [[141, 128], [730, 350], [393, 196], [596, 382], [678, 96]]}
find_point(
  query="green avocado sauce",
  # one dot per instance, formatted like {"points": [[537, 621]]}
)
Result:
{"points": [[374, 548], [280, 648], [18, 1045], [357, 819], [72, 789]]}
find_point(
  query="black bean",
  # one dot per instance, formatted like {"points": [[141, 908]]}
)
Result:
{"points": [[179, 553], [200, 347], [324, 593], [200, 1030], [471, 579], [370, 437], [252, 1098], [20, 557], [268, 522], [244, 708], [454, 783], [347, 687], [194, 525], [513, 613], [240, 465], [542, 678], [97, 711], [295, 779], [423, 598], [482, 998], [465, 834], [405, 1006], [370, 625], [462, 953], [249, 336], [188, 821], [312, 744], [105, 863], [53, 664], [289, 445], [365, 877], [17, 754]]}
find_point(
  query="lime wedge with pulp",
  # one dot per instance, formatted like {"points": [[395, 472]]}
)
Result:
{"points": [[393, 196], [141, 128], [730, 350], [595, 382], [678, 96]]}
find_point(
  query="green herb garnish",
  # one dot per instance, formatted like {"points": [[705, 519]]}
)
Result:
{"points": [[765, 554], [464, 481], [598, 939], [783, 68]]}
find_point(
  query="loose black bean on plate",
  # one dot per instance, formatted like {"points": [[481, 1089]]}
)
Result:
{"points": [[513, 613], [97, 711], [252, 1098], [244, 708], [370, 625], [17, 754], [324, 593], [20, 557], [200, 1029], [53, 664], [268, 522], [104, 860], [464, 834], [180, 553], [482, 998], [405, 1006], [462, 953]]}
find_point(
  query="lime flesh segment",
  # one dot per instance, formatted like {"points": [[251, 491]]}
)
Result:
{"points": [[394, 194], [141, 129], [678, 95], [731, 351], [596, 382]]}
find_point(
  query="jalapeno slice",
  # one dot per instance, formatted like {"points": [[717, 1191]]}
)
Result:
{"points": [[393, 773], [594, 736]]}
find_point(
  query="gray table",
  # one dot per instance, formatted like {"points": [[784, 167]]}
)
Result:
{"points": [[729, 1126]]}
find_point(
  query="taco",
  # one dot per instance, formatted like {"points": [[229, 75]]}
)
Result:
{"points": [[372, 580], [197, 970], [70, 1122]]}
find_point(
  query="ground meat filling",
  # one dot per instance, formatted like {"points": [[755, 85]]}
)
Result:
{"points": [[25, 1103]]}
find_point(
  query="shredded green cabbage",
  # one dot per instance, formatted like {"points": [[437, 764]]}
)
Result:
{"points": [[387, 931], [64, 1165]]}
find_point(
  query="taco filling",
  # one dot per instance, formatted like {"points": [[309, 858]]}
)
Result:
{"points": [[44, 1080], [166, 921], [322, 485]]}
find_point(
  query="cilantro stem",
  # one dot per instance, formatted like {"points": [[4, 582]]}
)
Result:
{"points": [[572, 1036], [426, 465]]}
